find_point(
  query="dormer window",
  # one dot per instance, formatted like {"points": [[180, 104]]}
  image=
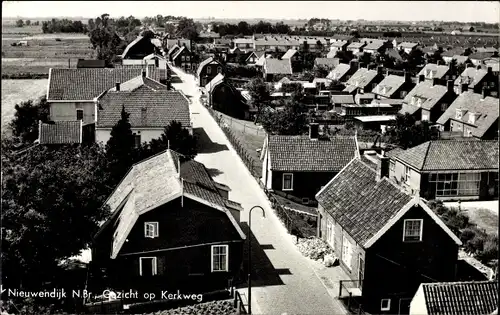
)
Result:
{"points": [[357, 83], [458, 115], [472, 118], [419, 102], [384, 91], [413, 100]]}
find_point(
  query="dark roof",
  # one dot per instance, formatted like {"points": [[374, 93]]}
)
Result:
{"points": [[83, 63], [276, 66], [299, 153], [161, 107], [461, 298], [486, 111], [359, 203], [61, 132], [428, 93], [441, 155], [205, 62], [173, 50], [87, 83]]}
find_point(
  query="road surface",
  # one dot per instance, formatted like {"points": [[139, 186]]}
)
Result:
{"points": [[284, 281]]}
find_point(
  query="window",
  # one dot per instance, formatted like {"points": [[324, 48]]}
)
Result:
{"points": [[458, 115], [392, 166], [407, 174], [456, 184], [346, 252], [219, 69], [220, 257], [425, 116], [137, 140], [187, 58], [147, 266], [412, 230], [385, 305], [287, 181], [330, 233], [79, 114], [444, 107], [151, 229], [403, 94], [419, 102], [472, 118], [468, 132], [209, 70], [183, 58]]}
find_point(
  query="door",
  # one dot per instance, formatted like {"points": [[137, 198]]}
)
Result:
{"points": [[404, 306], [147, 266]]}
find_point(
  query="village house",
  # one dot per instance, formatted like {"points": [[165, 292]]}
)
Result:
{"points": [[313, 44], [460, 59], [338, 46], [378, 123], [428, 100], [172, 51], [207, 70], [170, 42], [394, 86], [343, 72], [274, 68], [448, 169], [356, 47], [245, 44], [432, 71], [473, 115], [298, 166], [225, 98], [375, 46], [376, 108], [387, 241], [478, 57], [138, 49], [449, 54], [450, 298], [407, 47], [151, 105], [171, 227], [364, 81], [183, 58], [476, 79], [275, 43], [253, 57]]}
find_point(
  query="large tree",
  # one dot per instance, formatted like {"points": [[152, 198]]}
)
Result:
{"points": [[187, 29], [408, 132], [25, 123], [260, 94], [104, 39], [174, 137]]}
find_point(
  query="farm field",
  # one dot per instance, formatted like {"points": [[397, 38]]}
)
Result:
{"points": [[16, 91]]}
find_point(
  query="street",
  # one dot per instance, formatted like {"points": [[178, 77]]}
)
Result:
{"points": [[284, 281]]}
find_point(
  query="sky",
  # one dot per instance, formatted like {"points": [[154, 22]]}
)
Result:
{"points": [[463, 11]]}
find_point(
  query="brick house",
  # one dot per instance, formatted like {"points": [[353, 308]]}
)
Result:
{"points": [[300, 165], [171, 228], [207, 70], [472, 115], [184, 59], [428, 100], [433, 72], [274, 68], [477, 79], [343, 72], [448, 169], [225, 98], [387, 241]]}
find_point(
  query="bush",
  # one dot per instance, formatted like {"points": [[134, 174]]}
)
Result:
{"points": [[314, 248], [490, 249], [58, 39]]}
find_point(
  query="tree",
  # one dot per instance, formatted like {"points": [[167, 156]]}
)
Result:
{"points": [[187, 29], [291, 120], [244, 28], [415, 58], [175, 137], [120, 151], [19, 23], [28, 22], [25, 122], [260, 94], [408, 132], [104, 39], [51, 207]]}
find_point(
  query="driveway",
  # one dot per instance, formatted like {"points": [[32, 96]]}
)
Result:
{"points": [[284, 281]]}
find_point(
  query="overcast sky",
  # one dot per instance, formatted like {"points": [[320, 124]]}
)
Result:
{"points": [[464, 11]]}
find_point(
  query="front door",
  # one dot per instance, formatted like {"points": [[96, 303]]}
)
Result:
{"points": [[147, 266]]}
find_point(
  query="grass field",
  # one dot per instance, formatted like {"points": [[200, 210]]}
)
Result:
{"points": [[16, 91]]}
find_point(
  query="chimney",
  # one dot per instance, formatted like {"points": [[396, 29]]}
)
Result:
{"points": [[464, 87], [313, 131], [117, 86], [450, 84], [143, 73], [353, 65], [439, 62], [169, 84], [387, 73], [485, 93], [407, 76], [435, 81], [478, 67], [379, 70], [143, 116], [383, 167], [490, 70], [421, 78]]}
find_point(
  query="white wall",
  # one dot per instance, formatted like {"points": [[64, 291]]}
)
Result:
{"points": [[66, 111], [417, 305], [103, 135], [399, 172]]}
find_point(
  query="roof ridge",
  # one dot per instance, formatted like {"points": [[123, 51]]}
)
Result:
{"points": [[458, 282]]}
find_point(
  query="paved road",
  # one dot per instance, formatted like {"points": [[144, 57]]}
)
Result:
{"points": [[284, 281]]}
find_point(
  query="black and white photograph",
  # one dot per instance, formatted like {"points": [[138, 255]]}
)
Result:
{"points": [[250, 157]]}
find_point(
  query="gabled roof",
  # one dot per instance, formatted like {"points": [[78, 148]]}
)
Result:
{"points": [[276, 66], [289, 54], [453, 52], [149, 106], [471, 102], [438, 72], [460, 59], [471, 76], [178, 53], [215, 81], [428, 93], [339, 72], [173, 50], [156, 181], [331, 54], [329, 62], [60, 132], [408, 45], [87, 83], [362, 77], [441, 155], [481, 55], [132, 44], [461, 298], [340, 43], [356, 45], [367, 208], [301, 154], [376, 45], [205, 62], [394, 54], [389, 85]]}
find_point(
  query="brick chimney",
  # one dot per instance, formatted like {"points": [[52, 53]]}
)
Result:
{"points": [[421, 78], [450, 84], [143, 73], [484, 93], [117, 86], [313, 131], [490, 70], [464, 88], [435, 81], [407, 76], [383, 167]]}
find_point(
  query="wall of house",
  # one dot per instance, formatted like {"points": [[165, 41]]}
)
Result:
{"points": [[399, 174], [103, 135], [205, 77], [305, 184], [394, 269], [227, 100], [141, 49], [418, 306], [184, 64], [67, 111]]}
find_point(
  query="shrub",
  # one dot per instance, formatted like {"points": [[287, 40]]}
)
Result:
{"points": [[473, 239], [58, 39], [314, 248], [490, 249]]}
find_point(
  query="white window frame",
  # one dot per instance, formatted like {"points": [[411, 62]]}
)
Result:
{"points": [[420, 232], [80, 110], [226, 247], [407, 174], [413, 100], [472, 118], [151, 227], [283, 182], [392, 166], [388, 307], [330, 233], [425, 116], [187, 58], [346, 252], [154, 262]]}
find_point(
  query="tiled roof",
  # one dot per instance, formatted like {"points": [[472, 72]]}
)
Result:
{"points": [[440, 155], [330, 62], [88, 83], [343, 99], [407, 45], [471, 76], [480, 55], [154, 181], [148, 107], [339, 72], [331, 54], [341, 43], [461, 298], [359, 203], [276, 66], [61, 132], [299, 153], [471, 102], [356, 45], [438, 72], [406, 108], [289, 54], [374, 46], [178, 53], [394, 54], [389, 85], [363, 77], [453, 52], [428, 94], [173, 50]]}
